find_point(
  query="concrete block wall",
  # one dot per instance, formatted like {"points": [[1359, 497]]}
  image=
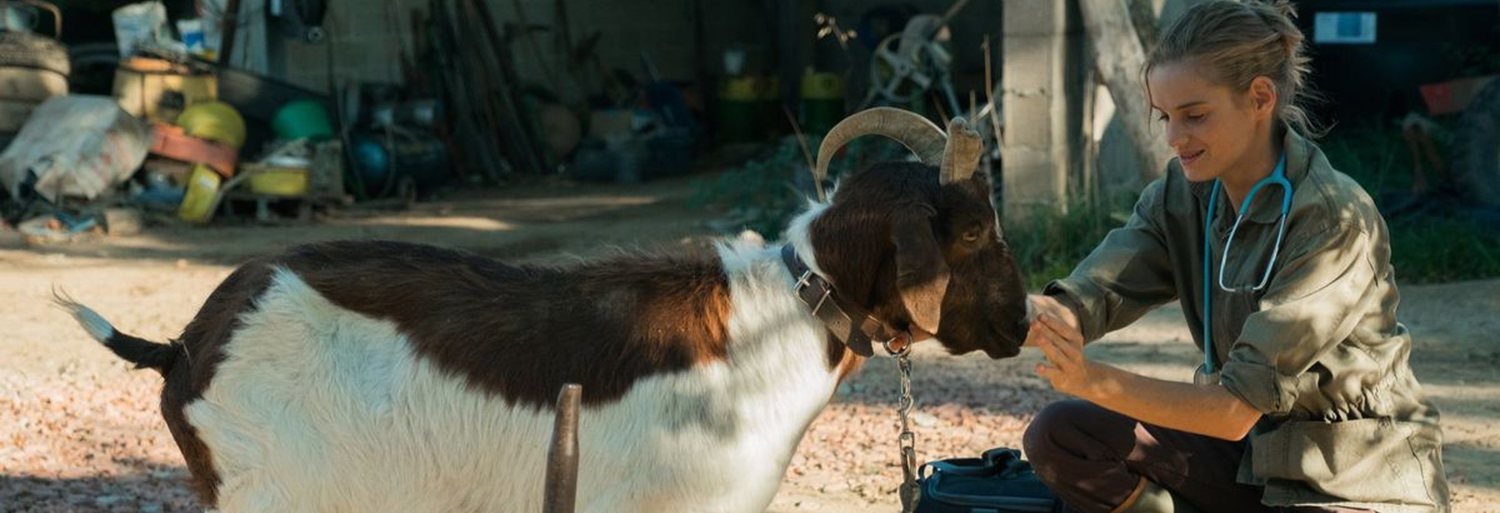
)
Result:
{"points": [[1042, 47]]}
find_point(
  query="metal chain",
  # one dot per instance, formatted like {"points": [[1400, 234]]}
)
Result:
{"points": [[907, 440]]}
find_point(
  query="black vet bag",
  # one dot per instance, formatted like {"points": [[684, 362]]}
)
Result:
{"points": [[996, 482]]}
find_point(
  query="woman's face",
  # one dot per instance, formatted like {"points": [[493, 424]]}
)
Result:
{"points": [[1210, 127]]}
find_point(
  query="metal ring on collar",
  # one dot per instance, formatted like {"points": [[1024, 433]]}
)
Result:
{"points": [[905, 349]]}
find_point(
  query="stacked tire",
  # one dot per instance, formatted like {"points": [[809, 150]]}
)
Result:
{"points": [[33, 68]]}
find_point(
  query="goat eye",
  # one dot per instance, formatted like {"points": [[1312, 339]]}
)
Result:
{"points": [[972, 236]]}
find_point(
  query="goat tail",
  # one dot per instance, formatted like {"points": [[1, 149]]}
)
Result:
{"points": [[141, 352]]}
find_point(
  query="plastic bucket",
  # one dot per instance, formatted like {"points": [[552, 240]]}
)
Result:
{"points": [[281, 179], [302, 119], [822, 102], [215, 121], [202, 192], [742, 115]]}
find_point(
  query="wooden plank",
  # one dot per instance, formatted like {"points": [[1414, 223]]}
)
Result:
{"points": [[504, 61], [494, 98], [472, 125]]}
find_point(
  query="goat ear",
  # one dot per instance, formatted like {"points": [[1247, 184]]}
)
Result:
{"points": [[921, 271]]}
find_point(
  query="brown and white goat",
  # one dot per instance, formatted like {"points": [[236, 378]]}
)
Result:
{"points": [[383, 376]]}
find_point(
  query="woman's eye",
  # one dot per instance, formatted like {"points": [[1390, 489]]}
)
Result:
{"points": [[1196, 117]]}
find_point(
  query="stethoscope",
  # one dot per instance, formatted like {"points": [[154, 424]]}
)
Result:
{"points": [[1207, 373]]}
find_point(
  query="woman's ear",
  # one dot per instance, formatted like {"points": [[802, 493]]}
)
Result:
{"points": [[1263, 96]]}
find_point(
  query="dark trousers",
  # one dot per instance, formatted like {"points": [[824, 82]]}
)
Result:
{"points": [[1094, 458]]}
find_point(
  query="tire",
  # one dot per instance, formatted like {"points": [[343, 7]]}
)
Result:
{"points": [[30, 84], [1476, 147], [24, 50], [93, 68]]}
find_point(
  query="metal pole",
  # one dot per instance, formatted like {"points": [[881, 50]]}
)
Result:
{"points": [[228, 25], [561, 487]]}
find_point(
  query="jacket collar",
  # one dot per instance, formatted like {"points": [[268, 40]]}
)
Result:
{"points": [[1267, 207]]}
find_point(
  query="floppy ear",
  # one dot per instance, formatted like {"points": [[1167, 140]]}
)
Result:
{"points": [[921, 272]]}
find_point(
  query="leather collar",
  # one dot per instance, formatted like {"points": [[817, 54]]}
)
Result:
{"points": [[853, 325]]}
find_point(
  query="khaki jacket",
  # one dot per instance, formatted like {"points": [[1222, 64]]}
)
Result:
{"points": [[1318, 350]]}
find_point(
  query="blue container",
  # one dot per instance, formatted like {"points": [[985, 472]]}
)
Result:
{"points": [[380, 162]]}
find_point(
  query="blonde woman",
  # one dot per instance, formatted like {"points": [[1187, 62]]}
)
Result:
{"points": [[1305, 400]]}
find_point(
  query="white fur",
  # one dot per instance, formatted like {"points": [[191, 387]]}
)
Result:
{"points": [[797, 234], [97, 328], [318, 408]]}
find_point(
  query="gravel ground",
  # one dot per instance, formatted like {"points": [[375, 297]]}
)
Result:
{"points": [[79, 431]]}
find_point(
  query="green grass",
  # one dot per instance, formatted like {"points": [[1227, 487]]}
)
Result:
{"points": [[1443, 246], [1439, 250], [762, 194], [1047, 243], [1375, 156]]}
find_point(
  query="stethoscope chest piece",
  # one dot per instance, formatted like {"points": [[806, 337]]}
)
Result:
{"points": [[1202, 376]]}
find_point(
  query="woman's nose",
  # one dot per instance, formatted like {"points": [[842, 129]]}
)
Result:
{"points": [[1175, 135]]}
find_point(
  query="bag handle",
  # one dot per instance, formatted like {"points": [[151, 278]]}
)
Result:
{"points": [[1006, 461], [959, 466], [41, 6], [1000, 460]]}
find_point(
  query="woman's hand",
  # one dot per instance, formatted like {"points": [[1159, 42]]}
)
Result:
{"points": [[1066, 367], [1038, 305], [1209, 410]]}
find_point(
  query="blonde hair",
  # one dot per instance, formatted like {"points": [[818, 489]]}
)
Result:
{"points": [[1235, 42]]}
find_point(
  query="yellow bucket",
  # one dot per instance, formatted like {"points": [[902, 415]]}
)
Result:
{"points": [[215, 121], [280, 177], [201, 196], [141, 84]]}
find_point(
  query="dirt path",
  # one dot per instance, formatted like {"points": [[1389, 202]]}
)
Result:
{"points": [[81, 432]]}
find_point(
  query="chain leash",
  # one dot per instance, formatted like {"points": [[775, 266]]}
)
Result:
{"points": [[907, 440]]}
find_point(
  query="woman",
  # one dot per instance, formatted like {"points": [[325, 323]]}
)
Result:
{"points": [[1305, 400]]}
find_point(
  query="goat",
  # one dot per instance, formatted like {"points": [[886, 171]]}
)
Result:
{"points": [[385, 376]]}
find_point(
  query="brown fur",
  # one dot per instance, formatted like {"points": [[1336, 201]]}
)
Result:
{"points": [[870, 243], [522, 332]]}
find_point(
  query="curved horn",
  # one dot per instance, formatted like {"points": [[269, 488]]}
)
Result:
{"points": [[910, 129], [961, 155]]}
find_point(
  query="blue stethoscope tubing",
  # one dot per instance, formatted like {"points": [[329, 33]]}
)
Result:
{"points": [[1277, 177]]}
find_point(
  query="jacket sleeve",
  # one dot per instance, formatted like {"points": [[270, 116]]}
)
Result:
{"points": [[1312, 304], [1127, 275]]}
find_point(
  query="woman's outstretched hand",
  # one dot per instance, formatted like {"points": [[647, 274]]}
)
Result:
{"points": [[1054, 330], [1038, 305]]}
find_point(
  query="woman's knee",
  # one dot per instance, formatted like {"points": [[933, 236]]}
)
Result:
{"points": [[1061, 428], [1042, 433]]}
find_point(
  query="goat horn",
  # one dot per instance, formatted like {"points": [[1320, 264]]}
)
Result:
{"points": [[912, 130], [961, 155]]}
